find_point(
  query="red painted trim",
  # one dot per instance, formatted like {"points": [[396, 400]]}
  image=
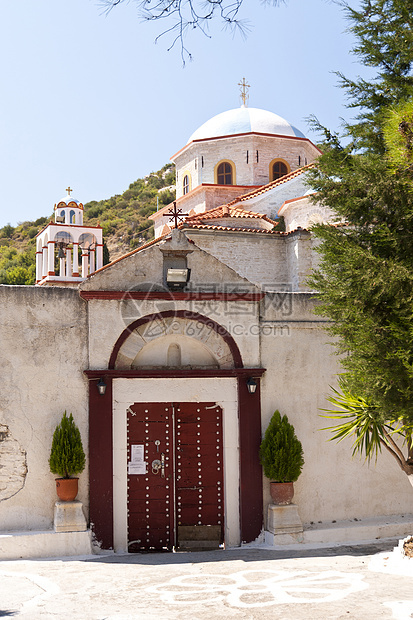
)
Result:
{"points": [[75, 226], [287, 202], [218, 185], [251, 494], [197, 189], [76, 274], [51, 273], [101, 463], [172, 295], [184, 314], [142, 247], [247, 133], [101, 447], [51, 242], [168, 373]]}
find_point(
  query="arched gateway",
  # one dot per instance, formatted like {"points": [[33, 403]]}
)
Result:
{"points": [[183, 431]]}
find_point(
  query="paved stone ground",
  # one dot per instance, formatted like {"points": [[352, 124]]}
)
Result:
{"points": [[360, 582]]}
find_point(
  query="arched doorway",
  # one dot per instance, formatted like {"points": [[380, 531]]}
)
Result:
{"points": [[176, 386]]}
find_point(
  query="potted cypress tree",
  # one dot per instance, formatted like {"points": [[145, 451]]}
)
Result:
{"points": [[67, 458], [281, 456]]}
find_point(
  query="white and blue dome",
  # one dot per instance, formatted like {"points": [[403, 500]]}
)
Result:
{"points": [[245, 120], [69, 200]]}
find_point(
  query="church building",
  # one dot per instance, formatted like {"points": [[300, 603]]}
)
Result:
{"points": [[173, 359]]}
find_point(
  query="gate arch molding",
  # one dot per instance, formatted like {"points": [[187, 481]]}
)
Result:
{"points": [[182, 323]]}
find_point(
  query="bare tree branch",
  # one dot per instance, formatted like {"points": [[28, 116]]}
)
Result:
{"points": [[188, 14]]}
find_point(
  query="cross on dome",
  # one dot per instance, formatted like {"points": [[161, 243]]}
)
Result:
{"points": [[69, 189], [244, 86]]}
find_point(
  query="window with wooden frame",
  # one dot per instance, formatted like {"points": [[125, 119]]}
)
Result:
{"points": [[278, 170], [185, 184], [224, 174]]}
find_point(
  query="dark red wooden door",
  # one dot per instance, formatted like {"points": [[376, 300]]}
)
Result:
{"points": [[175, 472], [150, 494]]}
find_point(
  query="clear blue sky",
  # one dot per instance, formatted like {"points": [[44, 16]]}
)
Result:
{"points": [[91, 102]]}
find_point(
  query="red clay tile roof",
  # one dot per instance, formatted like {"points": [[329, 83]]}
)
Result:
{"points": [[226, 211], [280, 233], [269, 186], [141, 247], [199, 225]]}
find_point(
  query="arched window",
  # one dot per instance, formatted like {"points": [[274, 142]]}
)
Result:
{"points": [[224, 174], [185, 184], [72, 217], [279, 169]]}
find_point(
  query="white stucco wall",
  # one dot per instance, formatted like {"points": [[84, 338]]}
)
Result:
{"points": [[271, 201], [258, 257], [108, 319], [48, 341], [43, 353], [304, 212], [220, 391], [301, 367]]}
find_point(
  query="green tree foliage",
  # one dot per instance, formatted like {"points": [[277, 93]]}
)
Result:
{"points": [[281, 453], [7, 231], [365, 281], [106, 256], [17, 267], [67, 458], [398, 135]]}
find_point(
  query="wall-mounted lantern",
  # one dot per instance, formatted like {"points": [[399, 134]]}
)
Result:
{"points": [[251, 385], [177, 279], [101, 387]]}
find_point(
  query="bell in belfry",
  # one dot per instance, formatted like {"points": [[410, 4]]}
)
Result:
{"points": [[61, 253]]}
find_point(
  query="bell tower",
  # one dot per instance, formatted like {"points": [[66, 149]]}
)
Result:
{"points": [[66, 250]]}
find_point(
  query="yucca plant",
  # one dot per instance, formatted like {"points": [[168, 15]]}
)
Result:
{"points": [[67, 457], [281, 453], [360, 420]]}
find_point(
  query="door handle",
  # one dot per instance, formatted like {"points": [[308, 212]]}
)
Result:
{"points": [[156, 466]]}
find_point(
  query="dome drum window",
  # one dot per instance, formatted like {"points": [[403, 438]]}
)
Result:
{"points": [[278, 169], [225, 173]]}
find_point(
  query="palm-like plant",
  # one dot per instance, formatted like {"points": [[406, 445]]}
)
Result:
{"points": [[360, 419]]}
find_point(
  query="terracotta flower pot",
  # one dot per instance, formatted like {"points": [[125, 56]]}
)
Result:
{"points": [[66, 488], [282, 493]]}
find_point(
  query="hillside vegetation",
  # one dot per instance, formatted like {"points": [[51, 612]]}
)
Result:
{"points": [[124, 220]]}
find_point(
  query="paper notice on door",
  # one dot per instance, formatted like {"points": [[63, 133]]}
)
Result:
{"points": [[137, 453], [137, 465], [137, 469]]}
